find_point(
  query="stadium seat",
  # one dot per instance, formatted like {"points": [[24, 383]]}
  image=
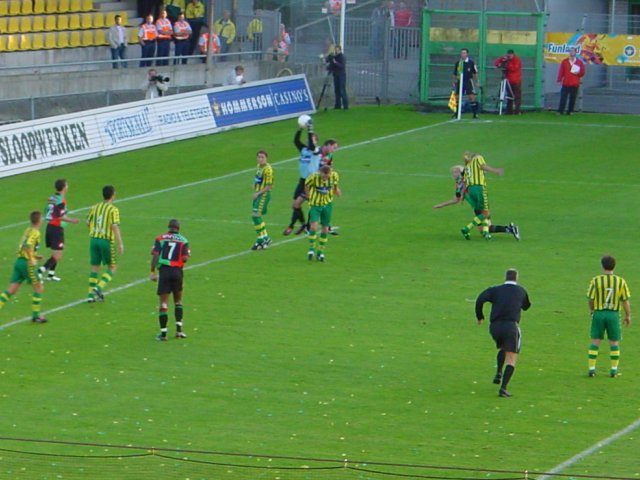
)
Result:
{"points": [[4, 9], [87, 38], [76, 6], [25, 24], [26, 7], [50, 23], [3, 26], [87, 6], [38, 41], [74, 21], [62, 40], [12, 43], [25, 42], [100, 38], [3, 43], [51, 6], [125, 18], [63, 22], [98, 20], [133, 36], [38, 6], [38, 24], [13, 25], [86, 20], [74, 39], [63, 6], [15, 7], [50, 40]]}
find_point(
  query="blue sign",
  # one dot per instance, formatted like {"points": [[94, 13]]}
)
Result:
{"points": [[252, 103]]}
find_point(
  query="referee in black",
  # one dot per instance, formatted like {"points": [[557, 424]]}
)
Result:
{"points": [[507, 300]]}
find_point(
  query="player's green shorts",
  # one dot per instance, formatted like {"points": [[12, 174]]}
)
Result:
{"points": [[321, 214], [477, 197], [102, 252], [24, 272], [261, 203], [606, 321]]}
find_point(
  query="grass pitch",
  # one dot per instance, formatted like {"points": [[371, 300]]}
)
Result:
{"points": [[373, 356]]}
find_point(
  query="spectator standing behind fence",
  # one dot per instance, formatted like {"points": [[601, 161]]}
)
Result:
{"points": [[174, 9], [226, 31], [194, 13], [511, 67], [235, 76], [181, 34], [155, 85], [403, 18], [147, 36], [208, 41], [338, 68], [165, 32], [379, 16], [254, 33], [571, 70], [118, 42]]}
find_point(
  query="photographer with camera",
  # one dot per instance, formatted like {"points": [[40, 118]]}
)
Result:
{"points": [[155, 85], [511, 67], [337, 66]]}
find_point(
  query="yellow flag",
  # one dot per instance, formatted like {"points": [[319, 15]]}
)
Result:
{"points": [[453, 102]]}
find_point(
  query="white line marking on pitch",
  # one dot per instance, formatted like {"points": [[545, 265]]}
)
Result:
{"points": [[140, 281], [585, 453]]}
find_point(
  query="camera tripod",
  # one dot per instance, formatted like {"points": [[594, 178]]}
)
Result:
{"points": [[505, 94], [327, 82]]}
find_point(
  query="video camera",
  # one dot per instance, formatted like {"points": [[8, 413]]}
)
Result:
{"points": [[160, 78], [329, 62]]}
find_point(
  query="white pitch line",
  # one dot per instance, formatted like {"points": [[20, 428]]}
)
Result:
{"points": [[585, 453], [140, 281]]}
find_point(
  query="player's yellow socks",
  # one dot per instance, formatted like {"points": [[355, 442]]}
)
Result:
{"points": [[36, 301], [4, 298], [106, 278], [93, 282], [615, 358], [593, 356], [322, 241]]}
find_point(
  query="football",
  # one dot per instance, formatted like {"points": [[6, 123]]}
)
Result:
{"points": [[303, 120]]}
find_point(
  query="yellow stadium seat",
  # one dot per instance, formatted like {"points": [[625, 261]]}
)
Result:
{"points": [[12, 43], [38, 24], [14, 25], [76, 6], [25, 42], [63, 6], [3, 43], [133, 36], [38, 6], [74, 21], [74, 39], [87, 38], [38, 41], [14, 7], [100, 38], [26, 7], [86, 20], [98, 20], [63, 22], [3, 26], [50, 40], [25, 24], [50, 23], [125, 18], [87, 5], [4, 11], [51, 6], [63, 40]]}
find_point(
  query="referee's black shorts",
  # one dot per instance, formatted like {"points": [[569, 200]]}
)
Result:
{"points": [[506, 335], [169, 280], [299, 191]]}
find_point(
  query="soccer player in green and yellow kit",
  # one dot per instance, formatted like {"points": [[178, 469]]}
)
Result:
{"points": [[104, 231], [474, 179], [320, 189], [25, 268], [607, 293], [262, 185]]}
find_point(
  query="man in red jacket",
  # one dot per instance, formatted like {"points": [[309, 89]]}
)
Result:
{"points": [[511, 67], [571, 70]]}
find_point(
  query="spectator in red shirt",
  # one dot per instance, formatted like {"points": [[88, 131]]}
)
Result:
{"points": [[402, 20], [511, 67], [571, 70]]}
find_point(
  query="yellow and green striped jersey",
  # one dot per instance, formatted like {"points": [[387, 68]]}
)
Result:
{"points": [[264, 177], [321, 189], [607, 292], [29, 243], [102, 217], [473, 173]]}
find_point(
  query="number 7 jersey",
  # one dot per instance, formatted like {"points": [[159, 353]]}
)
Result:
{"points": [[172, 249]]}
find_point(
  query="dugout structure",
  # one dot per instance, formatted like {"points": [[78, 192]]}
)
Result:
{"points": [[487, 35]]}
